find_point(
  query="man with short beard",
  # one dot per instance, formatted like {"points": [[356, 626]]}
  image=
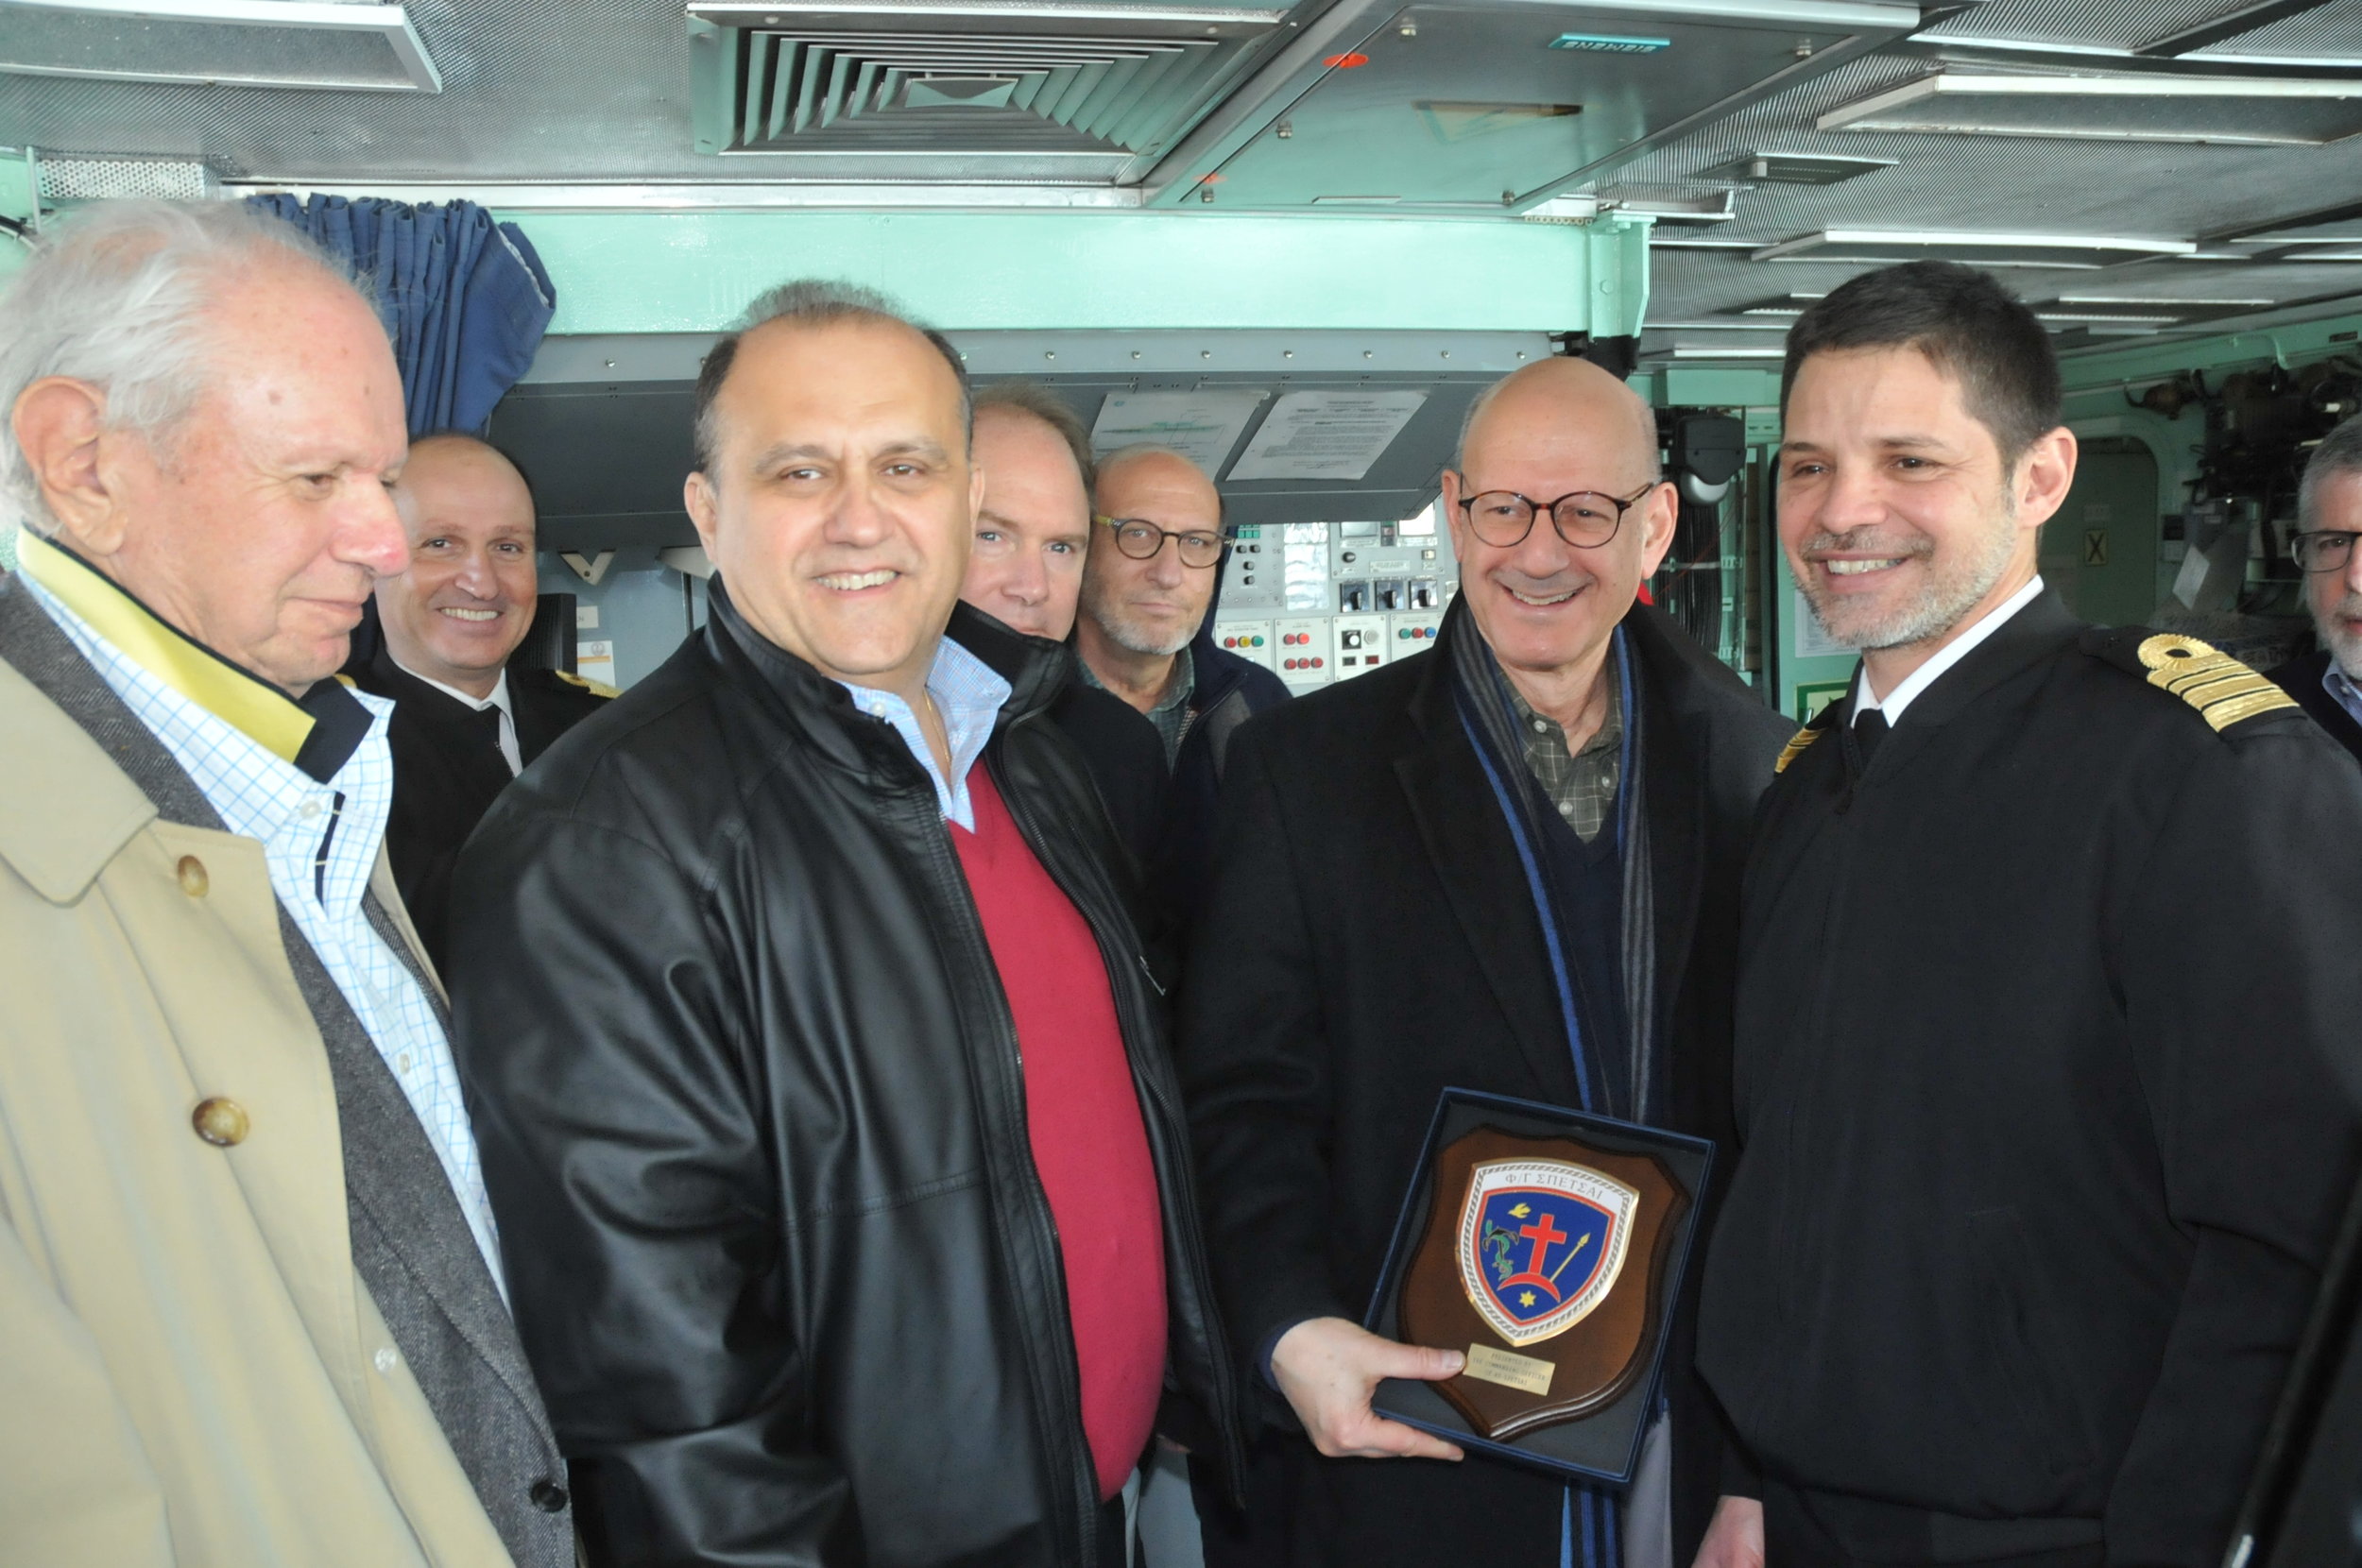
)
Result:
{"points": [[2045, 1067], [1146, 633], [2328, 685]]}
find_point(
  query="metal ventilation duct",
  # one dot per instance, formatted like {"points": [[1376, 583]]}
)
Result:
{"points": [[1105, 87], [219, 42], [2122, 107]]}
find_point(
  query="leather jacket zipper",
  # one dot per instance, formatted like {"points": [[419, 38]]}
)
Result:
{"points": [[1058, 1378]]}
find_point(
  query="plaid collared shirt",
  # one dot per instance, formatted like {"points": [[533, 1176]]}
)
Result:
{"points": [[1582, 785], [321, 843], [969, 696]]}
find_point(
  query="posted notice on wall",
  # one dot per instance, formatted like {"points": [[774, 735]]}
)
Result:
{"points": [[1325, 435], [1201, 426]]}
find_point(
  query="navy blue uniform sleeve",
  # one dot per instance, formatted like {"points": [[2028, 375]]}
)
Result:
{"points": [[596, 1024], [1253, 1062], [2243, 996]]}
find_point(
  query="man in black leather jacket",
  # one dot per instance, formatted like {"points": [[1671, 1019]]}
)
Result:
{"points": [[813, 1264]]}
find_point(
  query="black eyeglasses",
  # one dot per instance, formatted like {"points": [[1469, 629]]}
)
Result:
{"points": [[1140, 539], [2323, 550], [1585, 519]]}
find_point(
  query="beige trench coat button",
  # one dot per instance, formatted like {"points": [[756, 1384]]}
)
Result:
{"points": [[220, 1122], [193, 878]]}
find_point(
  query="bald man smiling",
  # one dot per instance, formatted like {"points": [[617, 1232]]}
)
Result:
{"points": [[1371, 937], [464, 723]]}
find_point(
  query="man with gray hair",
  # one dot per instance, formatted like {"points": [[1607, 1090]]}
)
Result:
{"points": [[2328, 684], [820, 1072], [250, 1306]]}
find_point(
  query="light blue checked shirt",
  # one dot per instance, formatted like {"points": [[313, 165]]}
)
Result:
{"points": [[259, 796], [968, 695]]}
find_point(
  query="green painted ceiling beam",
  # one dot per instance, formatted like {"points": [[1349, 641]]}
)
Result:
{"points": [[669, 272]]}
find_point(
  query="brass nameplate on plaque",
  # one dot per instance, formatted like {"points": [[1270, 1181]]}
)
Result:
{"points": [[1510, 1369]]}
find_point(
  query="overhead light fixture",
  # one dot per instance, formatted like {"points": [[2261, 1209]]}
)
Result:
{"points": [[1790, 305], [290, 44], [2132, 303], [2147, 106], [1793, 168], [1722, 325], [2124, 318], [1707, 350], [1982, 250], [1564, 209], [1669, 206]]}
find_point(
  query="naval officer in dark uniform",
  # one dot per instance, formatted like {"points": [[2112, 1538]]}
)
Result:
{"points": [[464, 723], [2048, 1008]]}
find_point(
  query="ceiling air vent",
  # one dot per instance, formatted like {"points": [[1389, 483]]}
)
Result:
{"points": [[326, 46], [1044, 91]]}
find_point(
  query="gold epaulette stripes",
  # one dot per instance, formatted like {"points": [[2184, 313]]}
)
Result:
{"points": [[596, 688], [2221, 688], [1795, 747]]}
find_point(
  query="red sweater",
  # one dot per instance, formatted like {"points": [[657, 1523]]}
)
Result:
{"points": [[1082, 1117]]}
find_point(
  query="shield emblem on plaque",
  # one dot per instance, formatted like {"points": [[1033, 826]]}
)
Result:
{"points": [[1541, 1244]]}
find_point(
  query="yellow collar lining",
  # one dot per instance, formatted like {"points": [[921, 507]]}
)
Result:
{"points": [[236, 696]]}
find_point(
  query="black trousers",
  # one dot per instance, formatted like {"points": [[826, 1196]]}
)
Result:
{"points": [[1794, 1538]]}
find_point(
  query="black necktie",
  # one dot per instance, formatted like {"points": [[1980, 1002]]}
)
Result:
{"points": [[488, 721], [1869, 730]]}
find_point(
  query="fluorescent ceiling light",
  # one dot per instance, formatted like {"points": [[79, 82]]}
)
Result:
{"points": [[2129, 300], [295, 43], [1669, 206], [2121, 106], [1701, 350], [1793, 168], [1902, 244], [2124, 316]]}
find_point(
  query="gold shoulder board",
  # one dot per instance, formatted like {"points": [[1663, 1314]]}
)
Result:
{"points": [[596, 688], [1795, 747], [2221, 688]]}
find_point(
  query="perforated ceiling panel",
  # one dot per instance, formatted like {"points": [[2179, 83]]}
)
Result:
{"points": [[2334, 32], [2098, 23]]}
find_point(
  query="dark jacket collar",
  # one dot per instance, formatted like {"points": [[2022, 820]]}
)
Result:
{"points": [[1036, 669], [2035, 633]]}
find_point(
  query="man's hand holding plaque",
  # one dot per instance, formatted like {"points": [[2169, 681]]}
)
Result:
{"points": [[1328, 1369]]}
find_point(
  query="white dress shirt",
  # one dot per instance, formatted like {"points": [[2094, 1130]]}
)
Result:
{"points": [[1907, 690]]}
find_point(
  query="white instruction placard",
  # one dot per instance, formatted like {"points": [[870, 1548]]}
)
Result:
{"points": [[1325, 435], [1201, 426]]}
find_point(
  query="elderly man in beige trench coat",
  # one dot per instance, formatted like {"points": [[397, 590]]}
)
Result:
{"points": [[251, 1308]]}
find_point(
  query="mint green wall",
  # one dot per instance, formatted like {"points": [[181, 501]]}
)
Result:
{"points": [[664, 272]]}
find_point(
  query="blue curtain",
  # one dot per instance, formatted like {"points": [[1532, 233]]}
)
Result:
{"points": [[465, 299]]}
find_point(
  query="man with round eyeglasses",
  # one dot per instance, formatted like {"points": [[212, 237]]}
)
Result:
{"points": [[2328, 684], [1146, 633], [1561, 785]]}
